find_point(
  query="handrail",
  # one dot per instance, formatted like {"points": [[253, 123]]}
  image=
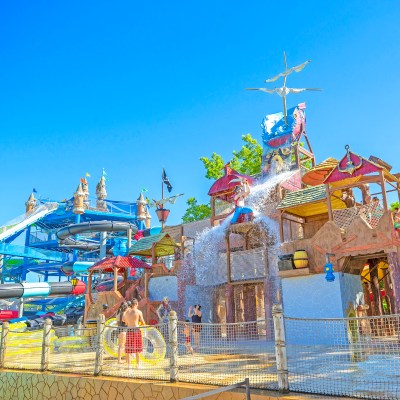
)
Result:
{"points": [[245, 383]]}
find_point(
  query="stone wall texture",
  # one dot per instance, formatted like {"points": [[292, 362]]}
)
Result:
{"points": [[18, 385]]}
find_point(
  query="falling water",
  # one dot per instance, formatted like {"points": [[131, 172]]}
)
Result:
{"points": [[208, 259]]}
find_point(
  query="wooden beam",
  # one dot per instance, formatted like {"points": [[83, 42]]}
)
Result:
{"points": [[302, 150], [228, 258], [281, 232], [250, 281], [383, 186], [115, 279], [153, 253], [328, 198]]}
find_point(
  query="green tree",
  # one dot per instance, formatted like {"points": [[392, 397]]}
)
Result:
{"points": [[214, 166], [196, 212], [247, 160], [394, 205]]}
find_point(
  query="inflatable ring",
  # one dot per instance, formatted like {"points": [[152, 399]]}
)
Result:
{"points": [[27, 342], [72, 342], [154, 346], [18, 326]]}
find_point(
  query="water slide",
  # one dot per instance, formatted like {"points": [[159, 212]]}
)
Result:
{"points": [[95, 226], [17, 225], [43, 289]]}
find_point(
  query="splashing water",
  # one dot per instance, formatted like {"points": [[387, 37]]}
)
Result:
{"points": [[209, 259]]}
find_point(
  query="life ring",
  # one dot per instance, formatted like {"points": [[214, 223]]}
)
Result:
{"points": [[27, 342], [154, 346], [72, 342]]}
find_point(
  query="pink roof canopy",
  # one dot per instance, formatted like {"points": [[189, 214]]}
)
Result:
{"points": [[223, 188], [351, 166]]}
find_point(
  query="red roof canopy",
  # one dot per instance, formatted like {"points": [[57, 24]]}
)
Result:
{"points": [[223, 187], [121, 262]]}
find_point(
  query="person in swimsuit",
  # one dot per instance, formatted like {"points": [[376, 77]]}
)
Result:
{"points": [[240, 193], [133, 318], [196, 315], [121, 330], [396, 221], [163, 311], [186, 331]]}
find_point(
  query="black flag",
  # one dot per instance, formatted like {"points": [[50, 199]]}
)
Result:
{"points": [[166, 180]]}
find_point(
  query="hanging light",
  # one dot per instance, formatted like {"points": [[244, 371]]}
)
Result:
{"points": [[162, 214]]}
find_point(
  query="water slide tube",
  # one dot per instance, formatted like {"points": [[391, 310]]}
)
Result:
{"points": [[95, 226], [44, 289]]}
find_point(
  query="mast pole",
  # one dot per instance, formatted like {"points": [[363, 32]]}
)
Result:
{"points": [[162, 193]]}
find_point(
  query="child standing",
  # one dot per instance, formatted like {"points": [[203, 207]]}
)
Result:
{"points": [[187, 331]]}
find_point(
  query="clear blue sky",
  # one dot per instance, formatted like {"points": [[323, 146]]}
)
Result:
{"points": [[134, 86]]}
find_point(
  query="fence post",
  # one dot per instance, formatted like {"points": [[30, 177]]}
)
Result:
{"points": [[3, 342], [44, 363], [98, 365], [280, 348], [247, 383], [173, 342]]}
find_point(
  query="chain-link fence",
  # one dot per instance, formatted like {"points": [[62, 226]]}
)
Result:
{"points": [[356, 357], [223, 354], [154, 356]]}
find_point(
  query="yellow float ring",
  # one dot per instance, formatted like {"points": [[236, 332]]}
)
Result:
{"points": [[72, 342], [154, 346]]}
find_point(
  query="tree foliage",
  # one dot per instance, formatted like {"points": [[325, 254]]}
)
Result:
{"points": [[196, 212], [394, 205], [214, 166], [247, 160]]}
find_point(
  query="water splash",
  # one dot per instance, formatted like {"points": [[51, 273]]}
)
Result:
{"points": [[208, 256]]}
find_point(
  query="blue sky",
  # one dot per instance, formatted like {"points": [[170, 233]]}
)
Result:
{"points": [[135, 86]]}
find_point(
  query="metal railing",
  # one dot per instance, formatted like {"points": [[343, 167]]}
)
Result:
{"points": [[245, 383], [355, 357]]}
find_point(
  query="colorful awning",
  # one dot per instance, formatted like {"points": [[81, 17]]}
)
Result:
{"points": [[119, 262]]}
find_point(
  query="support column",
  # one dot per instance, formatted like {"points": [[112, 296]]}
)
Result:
{"points": [[26, 260], [394, 266], [228, 258], [328, 201], [280, 348], [98, 366], [44, 364], [103, 245], [173, 342], [384, 196], [229, 304], [3, 342]]}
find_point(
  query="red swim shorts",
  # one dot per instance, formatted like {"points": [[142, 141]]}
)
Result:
{"points": [[134, 343]]}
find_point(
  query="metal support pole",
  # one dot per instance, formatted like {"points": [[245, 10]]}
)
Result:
{"points": [[280, 348], [3, 342], [173, 342], [98, 366], [247, 383], [129, 235], [103, 245], [44, 364]]}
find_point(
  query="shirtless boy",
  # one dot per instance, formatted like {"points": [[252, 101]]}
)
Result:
{"points": [[133, 318]]}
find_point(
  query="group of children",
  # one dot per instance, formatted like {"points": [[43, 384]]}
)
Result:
{"points": [[129, 318]]}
